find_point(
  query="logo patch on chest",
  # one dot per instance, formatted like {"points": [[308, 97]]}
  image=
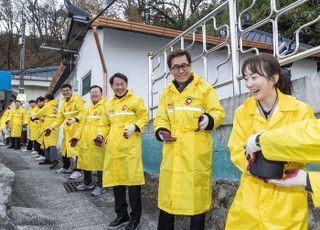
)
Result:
{"points": [[188, 100], [124, 107]]}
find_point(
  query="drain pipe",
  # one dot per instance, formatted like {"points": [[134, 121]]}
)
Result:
{"points": [[103, 63]]}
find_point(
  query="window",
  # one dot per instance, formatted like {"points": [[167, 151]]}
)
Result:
{"points": [[86, 83]]}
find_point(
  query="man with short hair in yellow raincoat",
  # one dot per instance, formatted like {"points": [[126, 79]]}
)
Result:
{"points": [[70, 114], [16, 121], [188, 111], [91, 157], [33, 126], [49, 113], [121, 127], [298, 142]]}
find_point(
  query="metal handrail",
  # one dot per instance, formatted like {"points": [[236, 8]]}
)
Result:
{"points": [[232, 42]]}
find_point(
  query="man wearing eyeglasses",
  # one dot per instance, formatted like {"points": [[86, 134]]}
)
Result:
{"points": [[188, 111]]}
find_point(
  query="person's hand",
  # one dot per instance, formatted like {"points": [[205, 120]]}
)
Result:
{"points": [[48, 131], [295, 177], [98, 141], [129, 131], [166, 136], [71, 121], [203, 122], [252, 147], [73, 142]]}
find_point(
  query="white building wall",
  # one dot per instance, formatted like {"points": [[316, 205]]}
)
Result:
{"points": [[89, 60]]}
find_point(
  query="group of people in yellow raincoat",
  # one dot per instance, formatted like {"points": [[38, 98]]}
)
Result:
{"points": [[106, 137]]}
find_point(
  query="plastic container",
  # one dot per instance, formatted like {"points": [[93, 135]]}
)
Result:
{"points": [[266, 169]]}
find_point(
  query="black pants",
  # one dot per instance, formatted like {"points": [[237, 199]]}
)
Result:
{"points": [[15, 142], [51, 153], [37, 147], [30, 145], [166, 221], [66, 161], [88, 178], [121, 206]]}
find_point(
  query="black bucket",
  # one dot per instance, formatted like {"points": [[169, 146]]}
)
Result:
{"points": [[266, 169]]}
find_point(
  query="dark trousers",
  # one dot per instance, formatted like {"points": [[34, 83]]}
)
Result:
{"points": [[30, 145], [37, 147], [66, 161], [121, 206], [88, 178], [15, 142], [51, 153], [166, 221]]}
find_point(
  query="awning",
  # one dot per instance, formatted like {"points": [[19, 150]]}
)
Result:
{"points": [[5, 81]]}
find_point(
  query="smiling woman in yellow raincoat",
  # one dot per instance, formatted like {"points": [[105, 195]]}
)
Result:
{"points": [[298, 142], [259, 205]]}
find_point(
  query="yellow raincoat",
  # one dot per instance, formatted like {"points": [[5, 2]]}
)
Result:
{"points": [[49, 114], [258, 205], [299, 143], [4, 118], [185, 183], [17, 119], [90, 157], [123, 157], [34, 126], [73, 108]]}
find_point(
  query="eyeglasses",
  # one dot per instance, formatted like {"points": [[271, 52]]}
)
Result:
{"points": [[177, 68]]}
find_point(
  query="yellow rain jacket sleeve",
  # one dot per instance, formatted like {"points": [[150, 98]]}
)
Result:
{"points": [[17, 118], [123, 157], [49, 114], [299, 143], [35, 127], [74, 108], [185, 182], [4, 118], [104, 125], [315, 185], [90, 157], [258, 205]]}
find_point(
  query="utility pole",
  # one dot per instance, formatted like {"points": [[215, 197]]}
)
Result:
{"points": [[22, 54]]}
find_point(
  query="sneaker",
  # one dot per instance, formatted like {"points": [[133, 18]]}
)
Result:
{"points": [[82, 187], [2, 144], [75, 175], [97, 191], [45, 162], [61, 170], [34, 152], [40, 158], [54, 164], [36, 155], [133, 225], [25, 150], [118, 222], [69, 170]]}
